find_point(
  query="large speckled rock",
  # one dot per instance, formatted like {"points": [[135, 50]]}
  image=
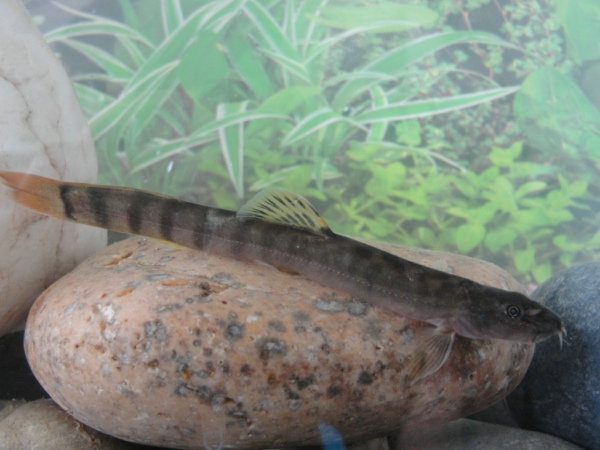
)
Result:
{"points": [[42, 130], [561, 393], [173, 347]]}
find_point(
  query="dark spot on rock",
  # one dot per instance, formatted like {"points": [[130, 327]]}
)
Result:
{"points": [[334, 391], [301, 316], [374, 330], [210, 368], [329, 305], [197, 342], [155, 330], [235, 331], [380, 366], [290, 394], [205, 394], [357, 307], [169, 307], [270, 347], [365, 378], [220, 322], [207, 351], [300, 329], [225, 367], [303, 383], [317, 329], [246, 370], [153, 364], [326, 348], [276, 325]]}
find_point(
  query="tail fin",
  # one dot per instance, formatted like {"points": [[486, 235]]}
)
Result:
{"points": [[35, 192]]}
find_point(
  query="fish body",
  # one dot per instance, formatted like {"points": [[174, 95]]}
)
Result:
{"points": [[285, 231]]}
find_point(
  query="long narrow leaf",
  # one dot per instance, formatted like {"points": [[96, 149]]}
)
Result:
{"points": [[127, 103], [91, 99], [161, 150], [312, 123], [249, 66], [101, 26], [377, 130], [231, 139], [395, 60], [275, 38], [171, 14], [430, 107], [114, 67]]}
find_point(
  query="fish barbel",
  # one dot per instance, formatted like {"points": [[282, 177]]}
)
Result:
{"points": [[285, 231]]}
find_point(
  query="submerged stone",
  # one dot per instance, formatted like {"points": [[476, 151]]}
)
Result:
{"points": [[560, 394], [256, 361]]}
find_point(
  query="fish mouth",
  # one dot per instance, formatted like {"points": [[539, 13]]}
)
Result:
{"points": [[561, 331]]}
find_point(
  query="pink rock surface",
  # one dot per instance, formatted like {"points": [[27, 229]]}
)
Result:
{"points": [[173, 347]]}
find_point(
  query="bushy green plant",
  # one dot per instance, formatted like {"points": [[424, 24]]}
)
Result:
{"points": [[515, 213]]}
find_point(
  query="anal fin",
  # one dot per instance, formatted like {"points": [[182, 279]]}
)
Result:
{"points": [[435, 354]]}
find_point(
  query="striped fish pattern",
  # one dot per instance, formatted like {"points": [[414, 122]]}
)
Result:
{"points": [[284, 230]]}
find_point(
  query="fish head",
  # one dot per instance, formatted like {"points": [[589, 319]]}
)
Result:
{"points": [[512, 316]]}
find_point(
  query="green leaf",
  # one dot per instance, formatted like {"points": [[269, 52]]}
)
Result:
{"points": [[542, 272], [385, 17], [430, 107], [505, 157], [529, 187], [394, 62], [129, 104], [316, 121], [377, 131], [563, 242], [203, 66], [556, 116], [409, 132], [249, 66], [577, 188], [280, 47], [469, 236], [172, 15], [231, 139], [385, 179], [163, 149], [498, 238], [524, 259], [115, 68], [426, 236], [580, 20]]}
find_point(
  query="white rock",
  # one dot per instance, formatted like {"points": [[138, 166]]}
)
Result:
{"points": [[42, 131]]}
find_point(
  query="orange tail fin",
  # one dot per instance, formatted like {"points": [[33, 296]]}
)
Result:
{"points": [[35, 192]]}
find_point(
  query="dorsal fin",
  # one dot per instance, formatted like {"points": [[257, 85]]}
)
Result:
{"points": [[285, 208]]}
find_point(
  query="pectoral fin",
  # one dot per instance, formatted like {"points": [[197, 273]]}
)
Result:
{"points": [[437, 348]]}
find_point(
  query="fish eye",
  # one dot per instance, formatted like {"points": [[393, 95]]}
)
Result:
{"points": [[513, 311]]}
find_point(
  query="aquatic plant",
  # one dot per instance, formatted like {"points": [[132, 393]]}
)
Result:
{"points": [[234, 77]]}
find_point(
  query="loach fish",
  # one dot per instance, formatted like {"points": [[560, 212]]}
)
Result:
{"points": [[285, 231]]}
